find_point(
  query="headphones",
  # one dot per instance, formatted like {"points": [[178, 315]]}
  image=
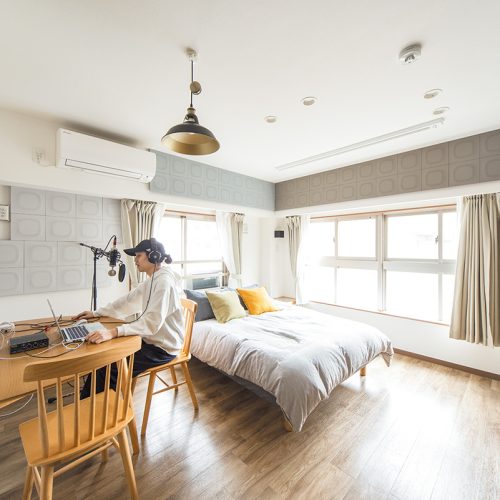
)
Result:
{"points": [[155, 255]]}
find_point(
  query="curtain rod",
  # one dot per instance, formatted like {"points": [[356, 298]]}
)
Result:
{"points": [[429, 207]]}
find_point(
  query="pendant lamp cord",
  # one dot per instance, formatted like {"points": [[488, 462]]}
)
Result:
{"points": [[191, 92]]}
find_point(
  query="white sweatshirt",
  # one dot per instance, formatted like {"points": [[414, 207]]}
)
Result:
{"points": [[162, 323]]}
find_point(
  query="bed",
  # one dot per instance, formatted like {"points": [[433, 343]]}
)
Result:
{"points": [[296, 355]]}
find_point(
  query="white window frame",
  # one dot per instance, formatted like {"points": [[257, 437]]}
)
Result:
{"points": [[381, 263], [183, 262]]}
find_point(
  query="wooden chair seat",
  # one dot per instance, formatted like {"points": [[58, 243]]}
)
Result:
{"points": [[32, 439]]}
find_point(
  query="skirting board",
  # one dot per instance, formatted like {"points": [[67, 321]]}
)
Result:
{"points": [[481, 373]]}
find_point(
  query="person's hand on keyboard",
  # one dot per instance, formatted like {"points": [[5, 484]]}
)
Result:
{"points": [[101, 335], [84, 315]]}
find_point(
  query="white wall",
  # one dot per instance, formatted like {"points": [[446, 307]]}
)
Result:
{"points": [[427, 339], [19, 135], [275, 261]]}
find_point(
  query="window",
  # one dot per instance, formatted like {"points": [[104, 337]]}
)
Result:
{"points": [[193, 243], [401, 263]]}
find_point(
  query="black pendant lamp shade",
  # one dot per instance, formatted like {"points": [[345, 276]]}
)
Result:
{"points": [[189, 137]]}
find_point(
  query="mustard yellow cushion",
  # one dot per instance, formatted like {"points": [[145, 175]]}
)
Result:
{"points": [[226, 306], [257, 300]]}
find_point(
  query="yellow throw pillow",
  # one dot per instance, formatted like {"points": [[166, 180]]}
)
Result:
{"points": [[257, 300], [226, 306]]}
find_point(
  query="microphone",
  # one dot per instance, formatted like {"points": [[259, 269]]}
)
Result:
{"points": [[114, 257]]}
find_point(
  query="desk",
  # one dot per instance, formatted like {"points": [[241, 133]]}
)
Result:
{"points": [[12, 385]]}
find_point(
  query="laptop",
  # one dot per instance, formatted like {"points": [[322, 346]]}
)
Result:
{"points": [[72, 333]]}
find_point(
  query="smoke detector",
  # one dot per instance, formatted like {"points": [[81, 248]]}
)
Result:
{"points": [[410, 54]]}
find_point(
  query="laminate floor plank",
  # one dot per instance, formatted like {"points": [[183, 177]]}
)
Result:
{"points": [[412, 431]]}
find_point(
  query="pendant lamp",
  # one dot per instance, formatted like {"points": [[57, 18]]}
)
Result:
{"points": [[189, 137]]}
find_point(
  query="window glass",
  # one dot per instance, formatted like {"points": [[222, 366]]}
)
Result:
{"points": [[412, 236], [450, 235], [202, 240], [357, 238], [412, 294], [357, 288], [320, 283], [170, 235], [203, 268], [321, 239], [196, 241]]}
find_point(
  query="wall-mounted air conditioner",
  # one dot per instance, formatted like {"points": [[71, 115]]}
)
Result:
{"points": [[89, 154]]}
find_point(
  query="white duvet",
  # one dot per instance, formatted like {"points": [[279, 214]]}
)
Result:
{"points": [[296, 354]]}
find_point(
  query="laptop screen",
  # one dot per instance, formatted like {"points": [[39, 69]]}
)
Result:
{"points": [[55, 318]]}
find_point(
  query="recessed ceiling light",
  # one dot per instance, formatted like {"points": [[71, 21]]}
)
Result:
{"points": [[309, 101], [430, 94], [271, 119], [440, 111]]}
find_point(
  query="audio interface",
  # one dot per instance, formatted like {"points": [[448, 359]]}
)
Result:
{"points": [[28, 342]]}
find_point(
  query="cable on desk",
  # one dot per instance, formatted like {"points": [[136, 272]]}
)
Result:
{"points": [[2, 415]]}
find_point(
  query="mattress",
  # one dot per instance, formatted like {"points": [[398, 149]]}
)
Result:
{"points": [[296, 354]]}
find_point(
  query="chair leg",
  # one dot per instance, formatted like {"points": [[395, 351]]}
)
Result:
{"points": [[127, 464], [174, 376], [47, 482], [134, 439], [104, 455], [28, 484], [189, 382], [149, 397], [134, 382]]}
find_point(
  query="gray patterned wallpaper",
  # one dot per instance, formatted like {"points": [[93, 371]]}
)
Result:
{"points": [[470, 160], [182, 177], [43, 254]]}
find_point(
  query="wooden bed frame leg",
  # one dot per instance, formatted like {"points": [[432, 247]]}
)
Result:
{"points": [[286, 424], [362, 371]]}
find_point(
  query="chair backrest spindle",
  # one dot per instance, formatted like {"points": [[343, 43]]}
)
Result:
{"points": [[76, 430], [42, 414], [189, 309], [106, 398], [60, 414]]}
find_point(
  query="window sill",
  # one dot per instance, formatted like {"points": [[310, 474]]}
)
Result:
{"points": [[440, 323]]}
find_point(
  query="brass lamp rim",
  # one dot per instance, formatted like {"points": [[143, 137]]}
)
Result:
{"points": [[190, 139]]}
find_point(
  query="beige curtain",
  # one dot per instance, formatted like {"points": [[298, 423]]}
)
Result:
{"points": [[140, 221], [476, 308], [298, 226], [230, 231]]}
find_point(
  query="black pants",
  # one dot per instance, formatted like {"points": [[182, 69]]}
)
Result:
{"points": [[146, 357]]}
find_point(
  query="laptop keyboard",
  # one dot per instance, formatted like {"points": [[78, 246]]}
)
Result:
{"points": [[75, 332]]}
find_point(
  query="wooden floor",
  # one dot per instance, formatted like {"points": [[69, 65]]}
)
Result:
{"points": [[415, 430]]}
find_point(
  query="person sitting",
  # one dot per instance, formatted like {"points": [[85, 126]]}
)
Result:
{"points": [[160, 323]]}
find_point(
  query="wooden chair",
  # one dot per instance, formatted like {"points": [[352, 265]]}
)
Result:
{"points": [[75, 432], [189, 310]]}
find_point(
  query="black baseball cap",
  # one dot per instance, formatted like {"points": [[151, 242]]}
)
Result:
{"points": [[146, 246]]}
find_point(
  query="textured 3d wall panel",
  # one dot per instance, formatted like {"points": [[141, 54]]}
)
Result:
{"points": [[465, 161], [43, 253], [182, 177]]}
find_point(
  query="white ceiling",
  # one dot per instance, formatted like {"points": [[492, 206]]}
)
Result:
{"points": [[118, 68]]}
